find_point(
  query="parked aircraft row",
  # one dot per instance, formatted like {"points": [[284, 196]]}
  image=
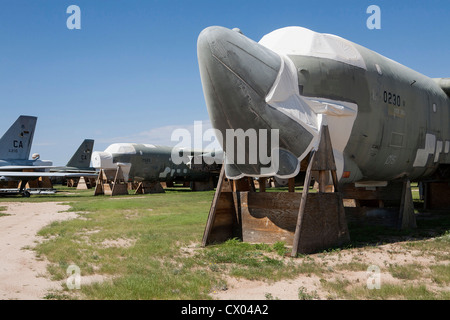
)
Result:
{"points": [[386, 121], [15, 165], [139, 162], [151, 163]]}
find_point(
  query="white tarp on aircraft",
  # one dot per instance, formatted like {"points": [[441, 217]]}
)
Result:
{"points": [[309, 112], [304, 42]]}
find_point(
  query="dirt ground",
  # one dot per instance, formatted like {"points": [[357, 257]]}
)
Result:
{"points": [[22, 275], [310, 284]]}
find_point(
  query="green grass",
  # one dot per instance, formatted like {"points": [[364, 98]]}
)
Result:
{"points": [[250, 261], [408, 271], [3, 208], [343, 290], [147, 247], [156, 226]]}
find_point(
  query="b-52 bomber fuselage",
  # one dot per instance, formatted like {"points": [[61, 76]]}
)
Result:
{"points": [[386, 121], [147, 162]]}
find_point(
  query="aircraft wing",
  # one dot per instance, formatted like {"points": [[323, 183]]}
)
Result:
{"points": [[26, 167], [33, 175], [51, 169]]}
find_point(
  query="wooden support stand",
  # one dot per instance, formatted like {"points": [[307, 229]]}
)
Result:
{"points": [[375, 196], [146, 187], [39, 183], [406, 217], [111, 182], [310, 222], [394, 199], [436, 195], [9, 184], [222, 218], [85, 183], [325, 225], [202, 185]]}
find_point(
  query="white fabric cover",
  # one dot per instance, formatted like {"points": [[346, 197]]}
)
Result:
{"points": [[305, 42], [311, 113]]}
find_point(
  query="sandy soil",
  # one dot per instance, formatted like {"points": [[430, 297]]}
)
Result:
{"points": [[380, 256], [22, 275]]}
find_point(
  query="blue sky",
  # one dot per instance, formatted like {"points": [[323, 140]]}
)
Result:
{"points": [[131, 73]]}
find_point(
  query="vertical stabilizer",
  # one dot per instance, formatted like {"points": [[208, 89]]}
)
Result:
{"points": [[16, 142], [82, 157]]}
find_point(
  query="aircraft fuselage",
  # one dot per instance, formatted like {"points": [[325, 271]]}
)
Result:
{"points": [[386, 121], [397, 109], [145, 162]]}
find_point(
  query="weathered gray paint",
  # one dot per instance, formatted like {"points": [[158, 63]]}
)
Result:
{"points": [[237, 74], [385, 138], [81, 159], [155, 164], [15, 144]]}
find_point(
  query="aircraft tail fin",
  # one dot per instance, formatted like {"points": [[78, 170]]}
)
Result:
{"points": [[82, 157], [16, 142]]}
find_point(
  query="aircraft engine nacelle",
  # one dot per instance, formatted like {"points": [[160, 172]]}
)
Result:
{"points": [[281, 182]]}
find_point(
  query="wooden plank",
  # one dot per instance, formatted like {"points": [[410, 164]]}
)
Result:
{"points": [[407, 218], [202, 185], [32, 184], [280, 200], [218, 203], [262, 184], [324, 160], [147, 187], [271, 217], [392, 192], [82, 185], [437, 195], [139, 189], [335, 181], [310, 222], [107, 189], [298, 227], [243, 184], [224, 224], [324, 224], [323, 180], [119, 187], [291, 184], [321, 219], [99, 188]]}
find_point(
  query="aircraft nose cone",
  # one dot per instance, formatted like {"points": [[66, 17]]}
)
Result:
{"points": [[237, 73], [245, 59]]}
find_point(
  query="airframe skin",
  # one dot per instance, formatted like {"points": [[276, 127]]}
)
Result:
{"points": [[80, 161], [15, 147], [150, 163], [386, 121], [15, 144]]}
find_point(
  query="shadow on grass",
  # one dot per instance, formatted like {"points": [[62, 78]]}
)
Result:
{"points": [[380, 226]]}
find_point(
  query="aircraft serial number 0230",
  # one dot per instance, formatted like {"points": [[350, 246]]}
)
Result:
{"points": [[391, 98]]}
